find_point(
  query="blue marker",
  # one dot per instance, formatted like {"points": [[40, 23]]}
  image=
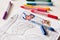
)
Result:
{"points": [[42, 27], [40, 3], [43, 30], [51, 29]]}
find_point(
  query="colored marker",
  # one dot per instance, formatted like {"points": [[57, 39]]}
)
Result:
{"points": [[31, 6], [7, 10], [48, 15], [40, 3], [51, 29], [38, 9], [41, 9]]}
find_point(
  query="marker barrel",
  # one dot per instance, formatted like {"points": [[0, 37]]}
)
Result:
{"points": [[31, 6], [40, 3], [7, 10], [43, 30], [52, 16]]}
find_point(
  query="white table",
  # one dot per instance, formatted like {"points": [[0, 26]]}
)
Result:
{"points": [[17, 10]]}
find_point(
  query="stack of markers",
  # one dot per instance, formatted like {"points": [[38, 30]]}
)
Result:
{"points": [[40, 10], [40, 2]]}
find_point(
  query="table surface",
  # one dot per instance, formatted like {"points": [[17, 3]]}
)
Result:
{"points": [[17, 10]]}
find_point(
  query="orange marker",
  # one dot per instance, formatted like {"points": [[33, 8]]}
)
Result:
{"points": [[47, 8], [32, 7], [38, 9]]}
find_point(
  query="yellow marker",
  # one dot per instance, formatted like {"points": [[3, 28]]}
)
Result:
{"points": [[31, 6]]}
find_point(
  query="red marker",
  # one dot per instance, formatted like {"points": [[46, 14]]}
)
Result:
{"points": [[48, 15], [38, 9], [41, 9]]}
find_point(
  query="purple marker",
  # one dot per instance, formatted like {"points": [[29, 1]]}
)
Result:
{"points": [[7, 11]]}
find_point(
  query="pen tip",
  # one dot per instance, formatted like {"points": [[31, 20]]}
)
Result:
{"points": [[22, 6], [52, 29], [5, 15]]}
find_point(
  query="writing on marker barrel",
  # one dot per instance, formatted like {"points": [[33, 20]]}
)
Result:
{"points": [[40, 3], [7, 10], [48, 15]]}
